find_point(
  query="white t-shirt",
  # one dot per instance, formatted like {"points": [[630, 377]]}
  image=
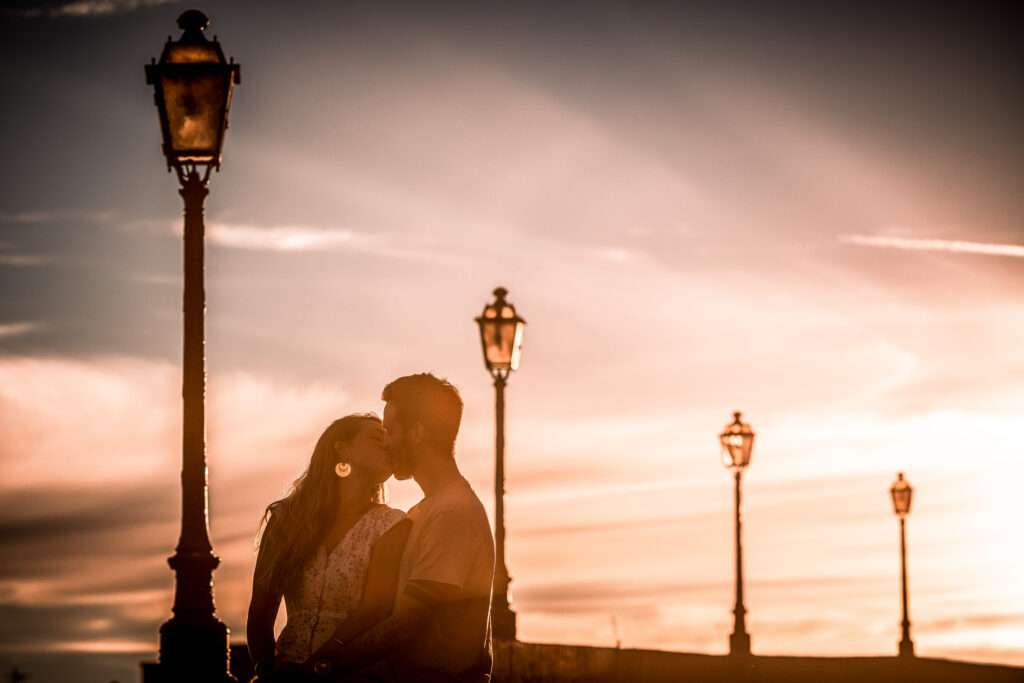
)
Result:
{"points": [[451, 543]]}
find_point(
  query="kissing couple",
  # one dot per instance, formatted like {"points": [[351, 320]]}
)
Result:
{"points": [[373, 594]]}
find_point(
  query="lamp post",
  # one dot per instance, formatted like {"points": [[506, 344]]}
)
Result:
{"points": [[193, 83], [737, 440], [901, 493], [501, 335]]}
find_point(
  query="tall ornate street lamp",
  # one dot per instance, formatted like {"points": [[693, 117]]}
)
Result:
{"points": [[501, 335], [192, 83], [901, 494], [737, 441]]}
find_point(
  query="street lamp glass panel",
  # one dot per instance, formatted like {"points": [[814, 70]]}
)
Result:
{"points": [[501, 334], [196, 110], [901, 495], [737, 440]]}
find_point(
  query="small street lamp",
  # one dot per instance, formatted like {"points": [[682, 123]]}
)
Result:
{"points": [[193, 83], [902, 492], [737, 440], [501, 335]]}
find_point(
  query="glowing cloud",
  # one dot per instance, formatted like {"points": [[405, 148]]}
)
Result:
{"points": [[917, 244], [86, 8], [279, 238], [308, 239], [16, 329]]}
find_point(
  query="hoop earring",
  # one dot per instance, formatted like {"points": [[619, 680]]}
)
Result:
{"points": [[343, 469]]}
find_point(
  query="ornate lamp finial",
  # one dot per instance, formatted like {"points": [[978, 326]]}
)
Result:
{"points": [[193, 23]]}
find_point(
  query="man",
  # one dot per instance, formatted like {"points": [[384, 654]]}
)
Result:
{"points": [[440, 627]]}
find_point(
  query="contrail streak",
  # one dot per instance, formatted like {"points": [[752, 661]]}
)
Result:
{"points": [[955, 246]]}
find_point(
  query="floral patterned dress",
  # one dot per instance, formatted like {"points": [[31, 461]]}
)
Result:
{"points": [[331, 586]]}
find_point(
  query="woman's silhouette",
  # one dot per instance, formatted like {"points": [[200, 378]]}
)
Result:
{"points": [[331, 549]]}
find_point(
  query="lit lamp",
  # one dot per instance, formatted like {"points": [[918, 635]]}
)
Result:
{"points": [[737, 441], [501, 336], [902, 493], [192, 84]]}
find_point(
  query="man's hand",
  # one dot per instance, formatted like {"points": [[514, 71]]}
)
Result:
{"points": [[386, 637], [281, 672]]}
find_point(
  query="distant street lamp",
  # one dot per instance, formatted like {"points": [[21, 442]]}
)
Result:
{"points": [[192, 84], [901, 494], [501, 335], [737, 441]]}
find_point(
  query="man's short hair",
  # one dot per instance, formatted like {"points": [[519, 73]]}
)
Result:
{"points": [[431, 401]]}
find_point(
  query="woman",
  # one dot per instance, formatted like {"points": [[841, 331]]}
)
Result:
{"points": [[330, 548]]}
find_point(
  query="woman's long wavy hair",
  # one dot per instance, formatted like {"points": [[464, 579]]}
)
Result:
{"points": [[292, 528]]}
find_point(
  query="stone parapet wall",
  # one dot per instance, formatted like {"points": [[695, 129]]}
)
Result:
{"points": [[516, 662]]}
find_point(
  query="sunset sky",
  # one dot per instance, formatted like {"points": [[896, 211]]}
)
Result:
{"points": [[814, 217]]}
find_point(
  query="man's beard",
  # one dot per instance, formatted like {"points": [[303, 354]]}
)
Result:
{"points": [[402, 460]]}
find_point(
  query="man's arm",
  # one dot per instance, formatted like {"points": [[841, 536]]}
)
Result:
{"points": [[405, 623], [378, 591], [438, 577]]}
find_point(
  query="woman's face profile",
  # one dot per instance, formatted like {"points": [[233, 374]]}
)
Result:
{"points": [[368, 451]]}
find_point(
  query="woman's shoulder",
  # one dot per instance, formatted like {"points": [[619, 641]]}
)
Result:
{"points": [[389, 513], [386, 516]]}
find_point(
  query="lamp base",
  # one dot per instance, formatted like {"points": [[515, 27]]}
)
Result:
{"points": [[194, 650], [906, 648], [739, 644]]}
